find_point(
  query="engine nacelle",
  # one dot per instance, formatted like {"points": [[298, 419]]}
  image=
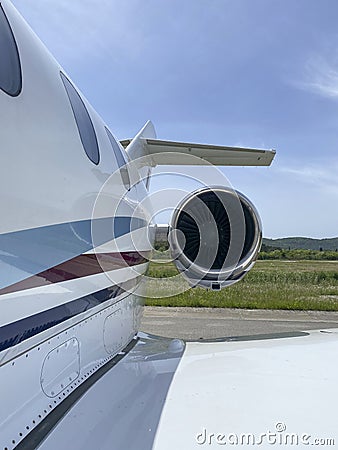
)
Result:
{"points": [[215, 235]]}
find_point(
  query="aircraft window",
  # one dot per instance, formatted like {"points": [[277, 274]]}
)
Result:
{"points": [[83, 121], [10, 67], [122, 159]]}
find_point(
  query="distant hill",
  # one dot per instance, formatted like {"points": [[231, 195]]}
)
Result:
{"points": [[302, 243]]}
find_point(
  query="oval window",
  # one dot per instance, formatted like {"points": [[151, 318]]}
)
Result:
{"points": [[122, 159], [83, 121], [10, 67]]}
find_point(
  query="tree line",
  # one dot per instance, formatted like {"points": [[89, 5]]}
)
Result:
{"points": [[297, 254]]}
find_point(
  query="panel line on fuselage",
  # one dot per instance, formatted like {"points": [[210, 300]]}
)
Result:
{"points": [[39, 433]]}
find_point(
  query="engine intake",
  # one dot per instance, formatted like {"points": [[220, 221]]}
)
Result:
{"points": [[215, 235]]}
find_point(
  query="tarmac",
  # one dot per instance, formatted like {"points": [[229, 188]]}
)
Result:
{"points": [[193, 324]]}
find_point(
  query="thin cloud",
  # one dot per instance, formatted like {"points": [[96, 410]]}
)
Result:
{"points": [[307, 173], [321, 76], [324, 178]]}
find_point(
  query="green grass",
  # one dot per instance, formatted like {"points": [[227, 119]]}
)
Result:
{"points": [[298, 285]]}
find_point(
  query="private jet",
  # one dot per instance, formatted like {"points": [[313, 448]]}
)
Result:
{"points": [[76, 237]]}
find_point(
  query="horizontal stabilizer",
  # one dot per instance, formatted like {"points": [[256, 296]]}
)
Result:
{"points": [[166, 153]]}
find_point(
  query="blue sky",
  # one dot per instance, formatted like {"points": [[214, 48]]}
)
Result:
{"points": [[257, 73]]}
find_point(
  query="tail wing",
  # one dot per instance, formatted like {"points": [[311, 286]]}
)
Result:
{"points": [[166, 153]]}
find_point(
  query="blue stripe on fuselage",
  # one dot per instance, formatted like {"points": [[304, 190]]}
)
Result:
{"points": [[16, 332], [28, 252]]}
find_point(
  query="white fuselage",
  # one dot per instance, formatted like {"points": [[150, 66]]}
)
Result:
{"points": [[67, 299]]}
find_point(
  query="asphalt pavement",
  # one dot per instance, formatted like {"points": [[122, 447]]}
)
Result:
{"points": [[210, 323]]}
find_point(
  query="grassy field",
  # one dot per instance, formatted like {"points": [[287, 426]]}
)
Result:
{"points": [[302, 285]]}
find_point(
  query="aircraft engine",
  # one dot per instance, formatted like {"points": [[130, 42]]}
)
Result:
{"points": [[215, 235]]}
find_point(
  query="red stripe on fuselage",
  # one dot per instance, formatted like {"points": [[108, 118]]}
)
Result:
{"points": [[78, 267]]}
